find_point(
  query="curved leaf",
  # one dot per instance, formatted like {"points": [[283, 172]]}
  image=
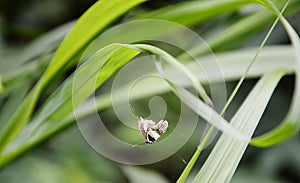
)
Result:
{"points": [[87, 27], [60, 104], [226, 155], [83, 83], [291, 124]]}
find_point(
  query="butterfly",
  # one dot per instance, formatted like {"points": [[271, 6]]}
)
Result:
{"points": [[151, 130]]}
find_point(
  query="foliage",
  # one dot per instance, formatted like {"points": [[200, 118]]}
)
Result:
{"points": [[35, 108]]}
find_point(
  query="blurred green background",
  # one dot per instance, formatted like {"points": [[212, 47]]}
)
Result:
{"points": [[68, 158]]}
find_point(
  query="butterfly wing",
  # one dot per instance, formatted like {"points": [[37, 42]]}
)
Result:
{"points": [[161, 126], [144, 126]]}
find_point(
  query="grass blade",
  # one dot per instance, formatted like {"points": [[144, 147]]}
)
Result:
{"points": [[223, 160], [86, 28], [61, 103], [38, 47], [189, 13], [241, 30], [291, 125], [89, 77], [18, 93]]}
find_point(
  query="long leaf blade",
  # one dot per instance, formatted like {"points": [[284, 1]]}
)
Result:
{"points": [[84, 31], [291, 124], [224, 159]]}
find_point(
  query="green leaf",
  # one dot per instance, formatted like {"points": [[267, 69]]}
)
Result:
{"points": [[137, 175], [224, 159], [242, 30], [291, 124], [232, 64], [237, 87], [38, 47], [79, 86], [189, 13], [84, 82], [1, 85], [87, 27], [13, 101]]}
